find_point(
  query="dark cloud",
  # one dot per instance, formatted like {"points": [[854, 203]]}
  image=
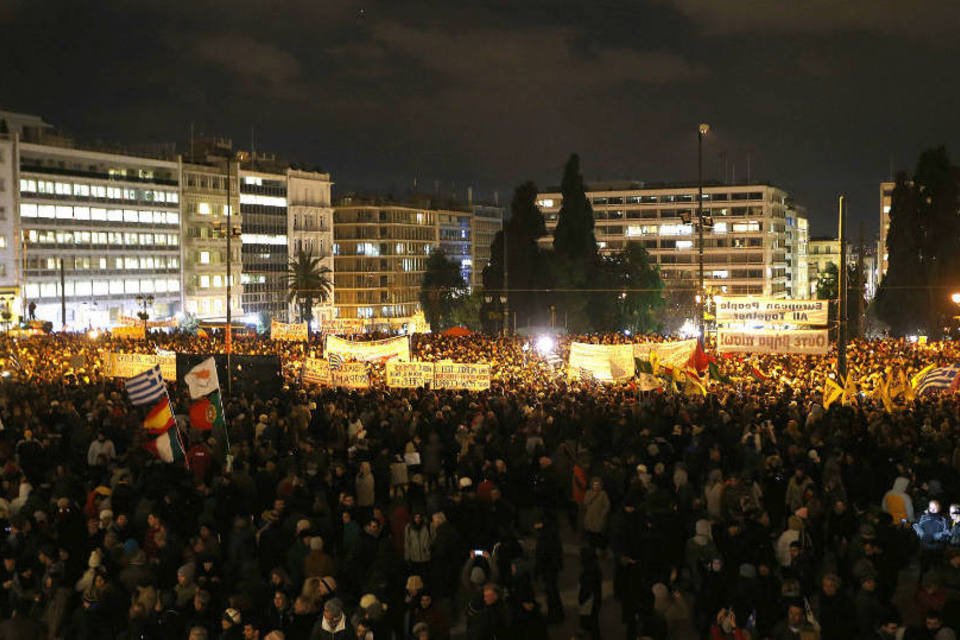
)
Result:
{"points": [[818, 95]]}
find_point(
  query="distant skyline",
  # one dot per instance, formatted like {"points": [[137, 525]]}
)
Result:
{"points": [[824, 97]]}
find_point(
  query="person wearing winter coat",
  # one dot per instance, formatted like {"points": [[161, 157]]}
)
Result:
{"points": [[596, 510], [417, 540], [333, 624], [366, 493]]}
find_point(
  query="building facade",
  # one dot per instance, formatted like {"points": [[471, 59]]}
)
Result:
{"points": [[10, 238], [745, 251], [110, 222], [455, 234], [206, 190], [380, 252], [797, 241], [821, 253], [264, 241], [310, 229], [886, 201]]}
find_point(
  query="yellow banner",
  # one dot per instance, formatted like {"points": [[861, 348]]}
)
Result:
{"points": [[409, 375], [352, 375], [127, 365], [458, 375], [282, 331], [129, 332]]}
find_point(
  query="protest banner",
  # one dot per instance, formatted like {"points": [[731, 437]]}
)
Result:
{"points": [[352, 375], [460, 375], [292, 332], [674, 355], [127, 365], [129, 332], [316, 371], [601, 362], [344, 326], [391, 348], [769, 311], [409, 375], [798, 341]]}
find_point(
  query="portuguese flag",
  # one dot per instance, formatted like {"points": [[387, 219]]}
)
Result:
{"points": [[207, 413]]}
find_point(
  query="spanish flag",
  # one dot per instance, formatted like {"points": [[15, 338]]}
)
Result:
{"points": [[160, 417]]}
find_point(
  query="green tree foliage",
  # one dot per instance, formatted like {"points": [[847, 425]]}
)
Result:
{"points": [[440, 289], [466, 311], [631, 292], [527, 276], [828, 287], [924, 247], [307, 282]]}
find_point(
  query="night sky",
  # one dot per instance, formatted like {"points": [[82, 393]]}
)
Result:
{"points": [[822, 95]]}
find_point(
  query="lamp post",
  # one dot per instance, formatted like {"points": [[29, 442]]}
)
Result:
{"points": [[702, 130], [955, 299], [143, 314]]}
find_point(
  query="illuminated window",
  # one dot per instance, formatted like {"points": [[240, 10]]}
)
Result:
{"points": [[204, 257], [545, 202], [217, 281], [28, 210], [203, 208], [204, 282], [684, 244]]}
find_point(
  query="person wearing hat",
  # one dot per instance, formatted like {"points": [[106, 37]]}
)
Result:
{"points": [[333, 624], [231, 625]]}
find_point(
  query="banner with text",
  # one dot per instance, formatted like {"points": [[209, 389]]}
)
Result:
{"points": [[771, 311], [459, 375], [398, 347], [674, 355], [344, 325], [129, 332], [282, 331], [127, 365], [352, 375], [410, 375], [814, 342], [602, 362], [316, 371]]}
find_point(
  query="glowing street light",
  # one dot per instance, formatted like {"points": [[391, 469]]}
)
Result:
{"points": [[955, 297]]}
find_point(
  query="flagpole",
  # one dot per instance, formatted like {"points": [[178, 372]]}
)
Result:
{"points": [[842, 301]]}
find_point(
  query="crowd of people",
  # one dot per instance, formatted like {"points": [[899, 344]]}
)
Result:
{"points": [[749, 512]]}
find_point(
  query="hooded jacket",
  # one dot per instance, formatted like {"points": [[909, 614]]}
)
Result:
{"points": [[897, 502]]}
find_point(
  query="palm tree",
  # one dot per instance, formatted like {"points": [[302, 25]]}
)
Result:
{"points": [[308, 280]]}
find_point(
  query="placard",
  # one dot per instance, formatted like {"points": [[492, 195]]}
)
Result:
{"points": [[409, 375], [344, 326], [288, 332], [674, 355], [769, 311], [458, 375], [127, 365], [602, 362], [129, 332], [352, 375], [397, 347], [316, 371], [799, 341]]}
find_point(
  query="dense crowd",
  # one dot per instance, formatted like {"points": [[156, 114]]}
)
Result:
{"points": [[748, 512]]}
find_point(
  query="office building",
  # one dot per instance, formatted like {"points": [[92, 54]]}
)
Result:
{"points": [[886, 201], [745, 250], [455, 233], [264, 250], [821, 253], [310, 229], [486, 223], [797, 240], [106, 224]]}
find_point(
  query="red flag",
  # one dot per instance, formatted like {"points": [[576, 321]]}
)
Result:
{"points": [[160, 417]]}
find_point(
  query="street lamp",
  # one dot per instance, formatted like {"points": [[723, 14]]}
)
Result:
{"points": [[701, 131], [143, 314], [955, 298]]}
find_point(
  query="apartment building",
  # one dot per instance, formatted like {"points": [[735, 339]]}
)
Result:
{"points": [[264, 240], [487, 221], [745, 249], [455, 233], [310, 228], [886, 201], [797, 241]]}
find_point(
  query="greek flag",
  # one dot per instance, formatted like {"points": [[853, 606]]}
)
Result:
{"points": [[147, 387], [336, 361], [939, 379]]}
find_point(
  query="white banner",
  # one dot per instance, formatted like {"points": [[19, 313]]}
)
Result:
{"points": [[409, 375], [459, 375], [316, 371], [344, 325], [771, 311], [602, 362], [129, 332], [674, 355], [296, 332], [398, 347], [352, 375], [127, 365], [813, 342]]}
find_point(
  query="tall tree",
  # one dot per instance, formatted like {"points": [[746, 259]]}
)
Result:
{"points": [[923, 245], [631, 292], [440, 289], [518, 245], [308, 282], [573, 239]]}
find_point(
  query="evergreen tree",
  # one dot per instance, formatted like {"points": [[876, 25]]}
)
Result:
{"points": [[631, 292], [573, 239], [440, 289]]}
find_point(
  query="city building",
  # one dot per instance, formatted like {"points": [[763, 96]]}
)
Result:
{"points": [[797, 241], [455, 233], [264, 239], [380, 252], [886, 201], [310, 228], [821, 252], [487, 222], [207, 184], [10, 301], [104, 224], [745, 250]]}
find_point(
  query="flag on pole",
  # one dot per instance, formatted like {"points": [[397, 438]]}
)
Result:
{"points": [[146, 388], [202, 380], [160, 417], [716, 374], [207, 413], [167, 447], [917, 377], [939, 379], [849, 390]]}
